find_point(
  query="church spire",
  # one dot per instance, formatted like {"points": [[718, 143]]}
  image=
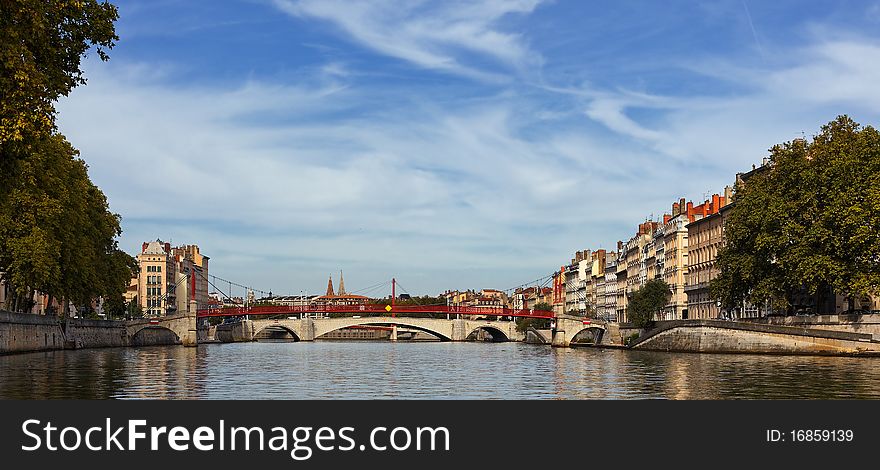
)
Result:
{"points": [[330, 286], [341, 284]]}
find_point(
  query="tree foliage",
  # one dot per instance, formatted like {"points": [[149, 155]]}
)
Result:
{"points": [[43, 42], [808, 221], [524, 323], [648, 301], [57, 234]]}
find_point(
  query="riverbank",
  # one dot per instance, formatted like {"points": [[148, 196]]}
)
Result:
{"points": [[20, 333], [842, 335], [755, 337]]}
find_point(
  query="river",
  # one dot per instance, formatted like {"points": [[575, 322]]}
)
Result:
{"points": [[369, 370]]}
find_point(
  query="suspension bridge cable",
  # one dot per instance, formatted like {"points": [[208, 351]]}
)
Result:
{"points": [[370, 288]]}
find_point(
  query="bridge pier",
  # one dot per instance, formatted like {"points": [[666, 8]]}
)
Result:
{"points": [[565, 328], [190, 337], [393, 332]]}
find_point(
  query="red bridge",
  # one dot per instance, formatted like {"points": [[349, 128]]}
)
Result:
{"points": [[374, 309]]}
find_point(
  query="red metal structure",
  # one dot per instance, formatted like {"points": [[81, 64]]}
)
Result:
{"points": [[374, 309]]}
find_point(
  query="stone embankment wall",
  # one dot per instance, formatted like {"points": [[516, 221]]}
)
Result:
{"points": [[242, 331], [869, 323], [718, 336], [21, 332]]}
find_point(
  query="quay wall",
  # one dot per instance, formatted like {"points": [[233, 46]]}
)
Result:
{"points": [[867, 323], [719, 336], [21, 332]]}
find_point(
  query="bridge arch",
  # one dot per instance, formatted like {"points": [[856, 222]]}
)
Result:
{"points": [[597, 331], [498, 336], [267, 333], [153, 335], [412, 323]]}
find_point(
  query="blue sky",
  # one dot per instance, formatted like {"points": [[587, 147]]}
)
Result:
{"points": [[450, 144]]}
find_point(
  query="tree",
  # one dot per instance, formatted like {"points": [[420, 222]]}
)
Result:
{"points": [[524, 323], [41, 45], [57, 234], [648, 301], [809, 221], [133, 310]]}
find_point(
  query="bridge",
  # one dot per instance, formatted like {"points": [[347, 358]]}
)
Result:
{"points": [[310, 322], [307, 323], [446, 323], [310, 329]]}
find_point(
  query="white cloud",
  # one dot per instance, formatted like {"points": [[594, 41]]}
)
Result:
{"points": [[432, 36], [424, 188]]}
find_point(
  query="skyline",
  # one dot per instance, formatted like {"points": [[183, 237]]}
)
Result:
{"points": [[483, 144]]}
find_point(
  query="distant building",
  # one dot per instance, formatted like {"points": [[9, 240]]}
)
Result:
{"points": [[341, 298], [171, 280]]}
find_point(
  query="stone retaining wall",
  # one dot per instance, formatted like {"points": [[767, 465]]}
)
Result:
{"points": [[21, 332], [748, 337]]}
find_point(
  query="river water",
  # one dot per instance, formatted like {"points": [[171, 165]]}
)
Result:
{"points": [[367, 370]]}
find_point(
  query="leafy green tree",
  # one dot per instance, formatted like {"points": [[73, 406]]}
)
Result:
{"points": [[133, 309], [41, 45], [57, 234], [809, 221], [524, 323], [648, 301]]}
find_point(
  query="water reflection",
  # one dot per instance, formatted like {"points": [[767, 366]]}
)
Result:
{"points": [[365, 370]]}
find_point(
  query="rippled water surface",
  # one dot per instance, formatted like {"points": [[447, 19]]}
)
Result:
{"points": [[365, 370]]}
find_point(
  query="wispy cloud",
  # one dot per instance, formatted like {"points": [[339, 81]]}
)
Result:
{"points": [[435, 36]]}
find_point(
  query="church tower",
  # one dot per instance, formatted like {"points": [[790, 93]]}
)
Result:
{"points": [[330, 286], [341, 284]]}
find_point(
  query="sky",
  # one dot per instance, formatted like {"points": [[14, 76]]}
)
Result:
{"points": [[450, 144]]}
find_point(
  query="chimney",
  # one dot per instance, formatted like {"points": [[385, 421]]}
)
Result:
{"points": [[675, 209], [666, 217], [716, 203], [167, 247], [144, 247], [690, 207]]}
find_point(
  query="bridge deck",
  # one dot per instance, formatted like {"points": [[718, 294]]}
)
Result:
{"points": [[375, 309]]}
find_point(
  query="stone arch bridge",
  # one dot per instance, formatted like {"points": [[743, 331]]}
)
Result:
{"points": [[565, 328], [309, 329]]}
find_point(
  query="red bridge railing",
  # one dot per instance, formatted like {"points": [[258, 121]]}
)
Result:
{"points": [[374, 309]]}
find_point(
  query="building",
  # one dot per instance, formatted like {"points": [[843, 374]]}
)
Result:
{"points": [[192, 277], [171, 280], [705, 237], [5, 293], [529, 297], [558, 303], [610, 298], [340, 298], [675, 259], [596, 284], [621, 276], [576, 274]]}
